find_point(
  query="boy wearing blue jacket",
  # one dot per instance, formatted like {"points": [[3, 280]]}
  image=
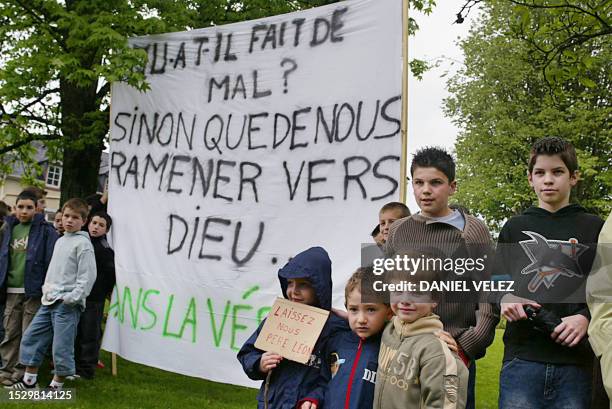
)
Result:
{"points": [[353, 355], [305, 279], [26, 246]]}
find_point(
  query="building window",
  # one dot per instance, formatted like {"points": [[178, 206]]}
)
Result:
{"points": [[54, 175]]}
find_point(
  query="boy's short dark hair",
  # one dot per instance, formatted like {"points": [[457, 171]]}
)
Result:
{"points": [[396, 206], [354, 282], [38, 192], [362, 280], [553, 145], [105, 216], [77, 205], [433, 157], [27, 194], [4, 210]]}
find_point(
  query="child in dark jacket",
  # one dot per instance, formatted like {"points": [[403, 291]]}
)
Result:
{"points": [[89, 334], [26, 247], [305, 279], [353, 355]]}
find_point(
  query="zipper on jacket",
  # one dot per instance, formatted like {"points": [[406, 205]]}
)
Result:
{"points": [[347, 402]]}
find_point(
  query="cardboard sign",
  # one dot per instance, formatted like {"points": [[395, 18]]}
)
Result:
{"points": [[292, 330]]}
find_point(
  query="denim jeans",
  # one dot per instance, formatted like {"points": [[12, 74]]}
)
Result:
{"points": [[52, 323], [535, 385]]}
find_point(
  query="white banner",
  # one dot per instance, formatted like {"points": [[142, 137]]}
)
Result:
{"points": [[255, 141]]}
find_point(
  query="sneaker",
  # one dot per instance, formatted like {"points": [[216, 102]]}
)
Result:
{"points": [[21, 386], [74, 377], [101, 365]]}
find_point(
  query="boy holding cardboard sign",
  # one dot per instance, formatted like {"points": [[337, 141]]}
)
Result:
{"points": [[305, 279]]}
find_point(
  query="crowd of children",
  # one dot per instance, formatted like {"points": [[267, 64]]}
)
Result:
{"points": [[54, 279], [414, 349], [391, 355]]}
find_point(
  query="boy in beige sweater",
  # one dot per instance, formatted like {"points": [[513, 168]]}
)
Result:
{"points": [[415, 368]]}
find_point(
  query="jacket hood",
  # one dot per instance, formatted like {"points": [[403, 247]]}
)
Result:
{"points": [[77, 233], [568, 210], [313, 264], [424, 325]]}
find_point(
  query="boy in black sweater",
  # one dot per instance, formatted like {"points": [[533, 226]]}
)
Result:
{"points": [[89, 334], [548, 251]]}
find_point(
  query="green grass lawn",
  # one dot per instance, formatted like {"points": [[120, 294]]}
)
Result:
{"points": [[487, 374], [138, 386]]}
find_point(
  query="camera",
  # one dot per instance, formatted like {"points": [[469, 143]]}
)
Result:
{"points": [[542, 319]]}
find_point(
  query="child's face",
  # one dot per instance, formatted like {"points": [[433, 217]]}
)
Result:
{"points": [[552, 182], [300, 290], [97, 226], [57, 222], [40, 205], [71, 220], [366, 319], [431, 191], [410, 306], [25, 210], [385, 219]]}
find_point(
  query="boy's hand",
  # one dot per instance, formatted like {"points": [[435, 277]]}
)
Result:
{"points": [[269, 361], [308, 405], [450, 341], [571, 331], [512, 307]]}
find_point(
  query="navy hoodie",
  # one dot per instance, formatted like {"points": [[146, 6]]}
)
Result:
{"points": [[354, 362], [562, 243], [291, 381]]}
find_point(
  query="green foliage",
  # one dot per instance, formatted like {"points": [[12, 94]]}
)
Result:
{"points": [[502, 101], [418, 67], [558, 31]]}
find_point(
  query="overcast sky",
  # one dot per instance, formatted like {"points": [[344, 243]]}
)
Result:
{"points": [[437, 38]]}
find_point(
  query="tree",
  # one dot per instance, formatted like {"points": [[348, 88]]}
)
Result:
{"points": [[59, 58], [554, 30], [503, 100]]}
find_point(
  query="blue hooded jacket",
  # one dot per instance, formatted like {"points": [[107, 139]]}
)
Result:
{"points": [[354, 362], [291, 381], [41, 241]]}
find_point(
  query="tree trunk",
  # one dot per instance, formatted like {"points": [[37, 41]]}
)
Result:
{"points": [[84, 142], [83, 125]]}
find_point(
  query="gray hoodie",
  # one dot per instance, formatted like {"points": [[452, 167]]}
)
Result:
{"points": [[72, 271]]}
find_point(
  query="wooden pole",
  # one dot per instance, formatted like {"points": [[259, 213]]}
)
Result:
{"points": [[404, 118], [114, 363], [113, 355]]}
